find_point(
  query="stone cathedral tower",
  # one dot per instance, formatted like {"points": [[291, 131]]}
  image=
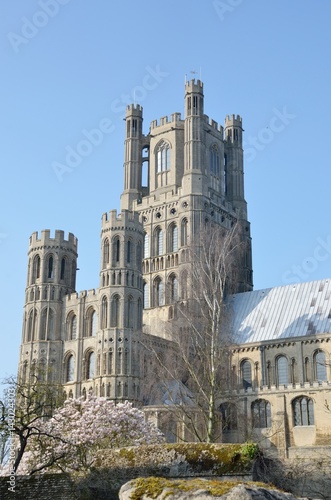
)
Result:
{"points": [[194, 171], [51, 275], [183, 173]]}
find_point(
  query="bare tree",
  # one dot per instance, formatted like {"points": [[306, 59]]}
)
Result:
{"points": [[195, 371], [34, 402]]}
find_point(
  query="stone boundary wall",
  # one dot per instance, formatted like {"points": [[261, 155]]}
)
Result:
{"points": [[43, 487], [116, 467], [305, 476]]}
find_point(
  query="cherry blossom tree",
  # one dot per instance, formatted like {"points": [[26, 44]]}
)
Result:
{"points": [[71, 439]]}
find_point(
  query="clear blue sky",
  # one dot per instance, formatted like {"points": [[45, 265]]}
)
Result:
{"points": [[66, 65]]}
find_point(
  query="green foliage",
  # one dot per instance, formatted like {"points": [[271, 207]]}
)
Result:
{"points": [[249, 450]]}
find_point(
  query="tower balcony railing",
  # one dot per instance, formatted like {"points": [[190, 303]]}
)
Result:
{"points": [[161, 262]]}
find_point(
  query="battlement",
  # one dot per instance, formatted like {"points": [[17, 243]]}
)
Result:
{"points": [[164, 120], [77, 296], [58, 239], [233, 121], [213, 124], [134, 110], [86, 293], [125, 219], [194, 86]]}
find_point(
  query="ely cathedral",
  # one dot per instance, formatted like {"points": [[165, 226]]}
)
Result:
{"points": [[92, 341]]}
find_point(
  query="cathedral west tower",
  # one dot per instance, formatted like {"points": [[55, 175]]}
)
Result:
{"points": [[194, 170]]}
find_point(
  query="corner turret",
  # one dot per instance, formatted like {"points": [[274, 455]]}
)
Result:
{"points": [[51, 275], [233, 129], [121, 288], [133, 157], [194, 146]]}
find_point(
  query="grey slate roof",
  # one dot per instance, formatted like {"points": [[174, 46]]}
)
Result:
{"points": [[282, 312]]}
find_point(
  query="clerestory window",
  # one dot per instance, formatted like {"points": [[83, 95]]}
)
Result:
{"points": [[282, 370], [320, 366], [246, 374]]}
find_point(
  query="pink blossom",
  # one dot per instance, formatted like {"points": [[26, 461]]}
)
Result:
{"points": [[77, 430]]}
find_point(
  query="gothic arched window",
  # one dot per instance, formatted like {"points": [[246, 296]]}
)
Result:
{"points": [[115, 311], [32, 326], [158, 241], [90, 366], [282, 370], [104, 313], [183, 232], [50, 267], [36, 268], [71, 326], [70, 369], [173, 238], [246, 374], [214, 161], [105, 252], [63, 268], [163, 157], [319, 361], [303, 411], [116, 250], [158, 292], [91, 322], [261, 414]]}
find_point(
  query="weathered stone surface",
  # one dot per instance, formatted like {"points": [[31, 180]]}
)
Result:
{"points": [[239, 492], [243, 492]]}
